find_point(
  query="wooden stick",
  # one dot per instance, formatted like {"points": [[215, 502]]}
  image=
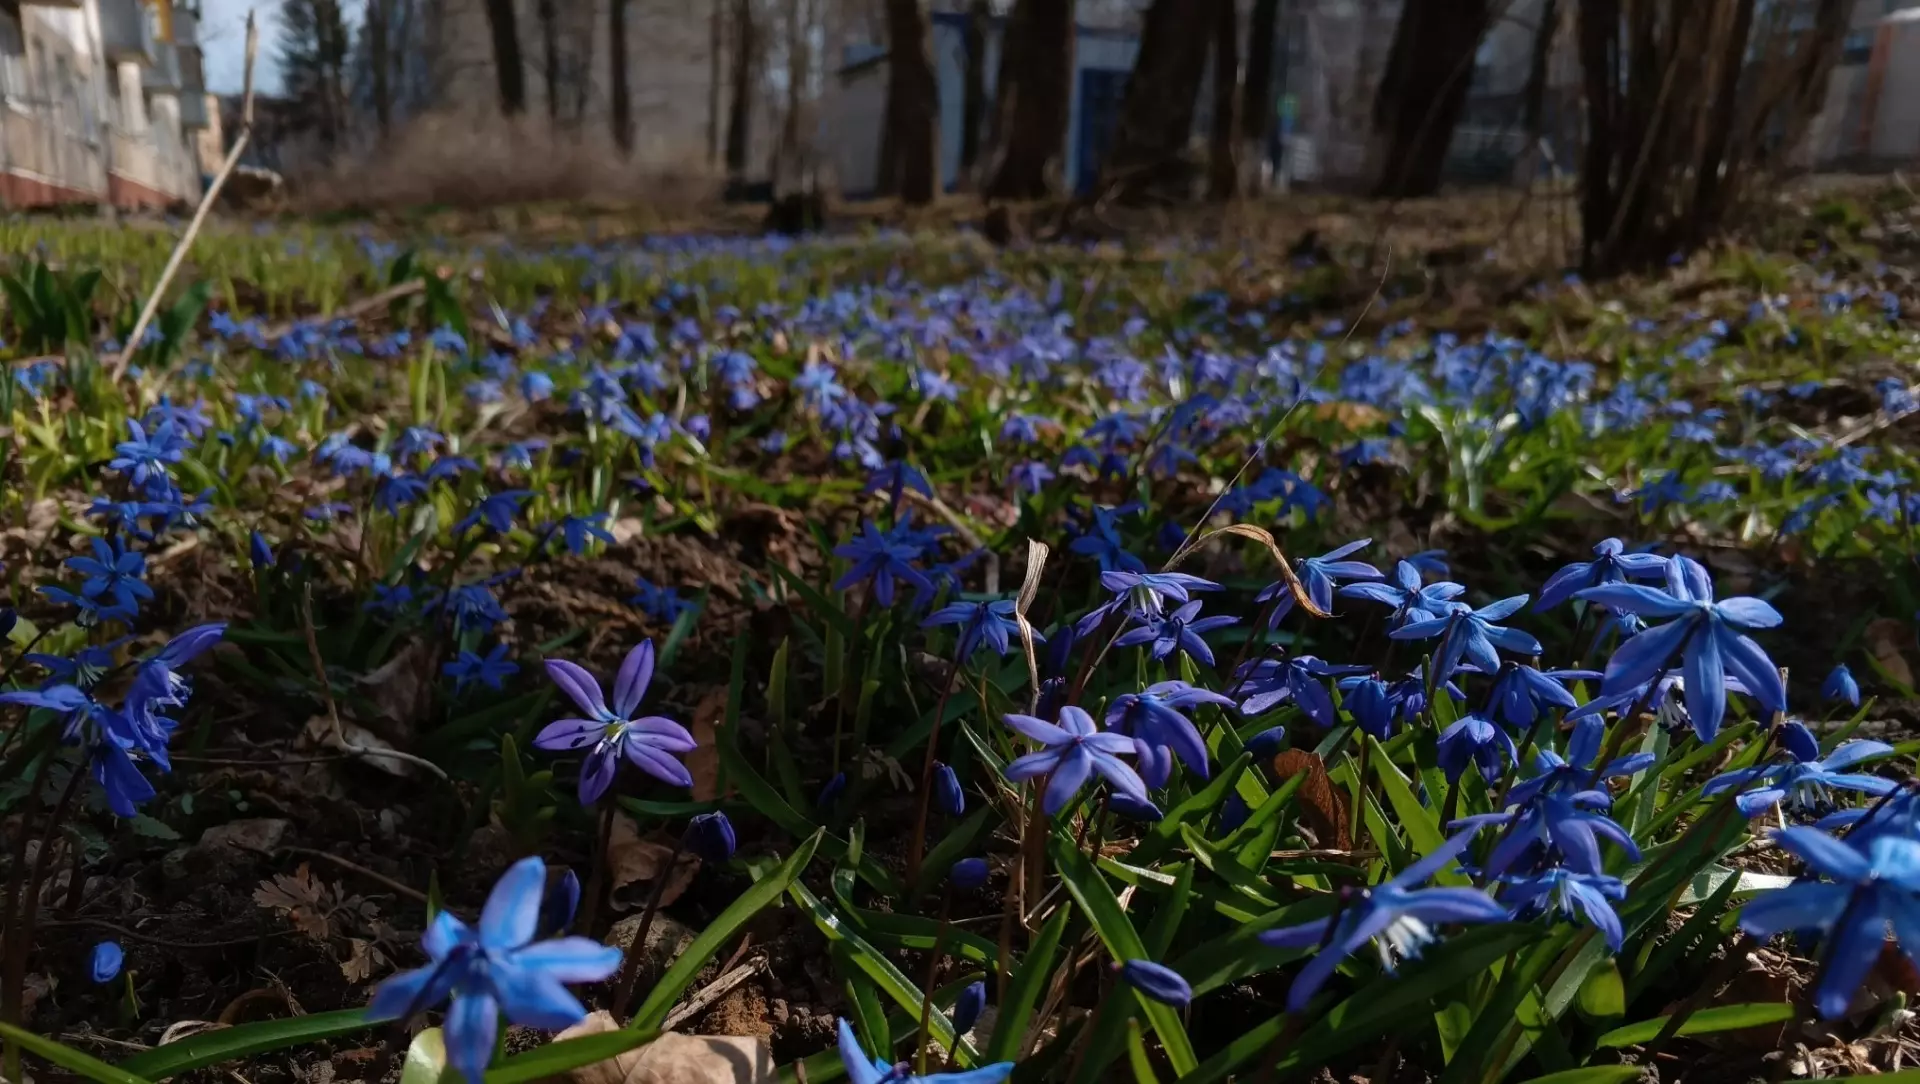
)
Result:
{"points": [[207, 199]]}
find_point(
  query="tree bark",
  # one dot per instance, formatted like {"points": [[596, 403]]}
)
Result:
{"points": [[1422, 93], [1256, 88], [913, 100], [1156, 116], [973, 108], [716, 51], [1033, 100], [509, 72], [740, 110], [380, 57], [550, 56], [621, 91], [1223, 171]]}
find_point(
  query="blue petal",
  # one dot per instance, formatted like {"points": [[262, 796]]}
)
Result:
{"points": [[534, 999], [1808, 905], [570, 959], [1854, 949], [1824, 854], [1437, 905], [512, 914], [1637, 599], [472, 1025], [1643, 656], [1069, 775], [1747, 612]]}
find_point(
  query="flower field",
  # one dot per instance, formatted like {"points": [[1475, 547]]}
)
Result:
{"points": [[1152, 661]]}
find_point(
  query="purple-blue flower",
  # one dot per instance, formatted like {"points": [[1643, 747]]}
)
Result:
{"points": [[1394, 914], [1409, 600], [862, 1069], [1268, 683], [1472, 636], [1571, 893], [881, 558], [113, 571], [1157, 982], [1612, 563], [1319, 575], [490, 669], [1177, 631], [1478, 741], [1840, 686], [1154, 718], [104, 966], [1806, 781], [494, 969], [990, 624], [1075, 750], [648, 742]]}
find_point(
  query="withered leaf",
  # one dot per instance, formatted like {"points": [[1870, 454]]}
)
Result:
{"points": [[305, 900], [1322, 807]]}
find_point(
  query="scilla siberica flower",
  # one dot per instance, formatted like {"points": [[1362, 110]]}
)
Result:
{"points": [[1840, 687], [881, 558], [1178, 631], [497, 968], [1869, 890], [1142, 595], [1471, 636], [1318, 575], [989, 624], [104, 966], [1409, 600], [648, 742], [1807, 781], [1153, 719], [1704, 633], [1393, 914], [1075, 750], [862, 1069], [1612, 563]]}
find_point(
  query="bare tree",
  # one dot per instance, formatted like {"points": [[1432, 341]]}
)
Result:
{"points": [[913, 101], [380, 59], [620, 88], [1156, 115], [1689, 111], [716, 54], [973, 101], [509, 70], [1422, 93], [1223, 172], [1034, 97], [740, 110], [550, 55], [1256, 88]]}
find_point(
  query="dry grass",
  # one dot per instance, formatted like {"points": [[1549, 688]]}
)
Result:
{"points": [[468, 162]]}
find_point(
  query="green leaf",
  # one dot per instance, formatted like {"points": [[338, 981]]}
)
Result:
{"points": [[1603, 996], [817, 602], [891, 980], [556, 1059], [1137, 1059], [762, 797], [231, 1044], [1421, 822], [1705, 1022], [1593, 1074], [66, 1057], [1102, 908], [653, 1011], [952, 847], [1165, 832], [426, 1059], [1023, 993], [144, 825]]}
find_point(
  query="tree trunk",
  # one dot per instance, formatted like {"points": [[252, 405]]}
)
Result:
{"points": [[550, 57], [1422, 93], [617, 59], [791, 152], [716, 50], [1033, 100], [740, 110], [508, 70], [1256, 90], [913, 100], [1223, 171], [973, 107], [1156, 115], [380, 56]]}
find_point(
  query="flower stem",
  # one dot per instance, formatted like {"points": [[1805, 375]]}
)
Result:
{"points": [[924, 1037], [630, 966], [917, 852]]}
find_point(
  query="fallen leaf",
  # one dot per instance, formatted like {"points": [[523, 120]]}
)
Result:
{"points": [[674, 1059], [252, 834], [704, 762], [363, 959], [1885, 638], [366, 745], [634, 864], [303, 899], [1323, 808], [402, 689]]}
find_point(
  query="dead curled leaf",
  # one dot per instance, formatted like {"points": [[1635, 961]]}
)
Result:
{"points": [[634, 863], [673, 1059], [704, 762], [1323, 808], [402, 688], [304, 899], [1885, 637]]}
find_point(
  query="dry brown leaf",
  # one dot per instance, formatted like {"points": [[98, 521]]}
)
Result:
{"points": [[363, 959], [633, 864], [251, 834], [673, 1059], [1322, 806], [305, 900], [703, 763], [1886, 638], [403, 688], [366, 745]]}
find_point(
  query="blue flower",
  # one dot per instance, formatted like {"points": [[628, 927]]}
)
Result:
{"points": [[144, 459], [558, 905], [1478, 741], [1142, 594], [1318, 575], [969, 874], [1177, 631], [1102, 542], [1806, 782], [1153, 719], [471, 606], [490, 669], [991, 624], [157, 682], [394, 492], [648, 742], [862, 1069], [259, 552], [1705, 632], [1075, 750], [881, 558], [1840, 686], [948, 797], [1268, 683], [1472, 635], [1612, 563], [496, 511], [966, 1007], [1520, 692], [576, 530], [113, 571], [1393, 914], [497, 968], [1157, 982], [830, 793], [105, 964], [1409, 600], [1370, 702], [896, 478], [710, 835], [1573, 894], [1868, 891]]}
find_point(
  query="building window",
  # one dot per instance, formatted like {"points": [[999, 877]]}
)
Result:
{"points": [[1857, 47]]}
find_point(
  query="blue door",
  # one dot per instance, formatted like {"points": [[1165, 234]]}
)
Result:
{"points": [[1100, 92]]}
